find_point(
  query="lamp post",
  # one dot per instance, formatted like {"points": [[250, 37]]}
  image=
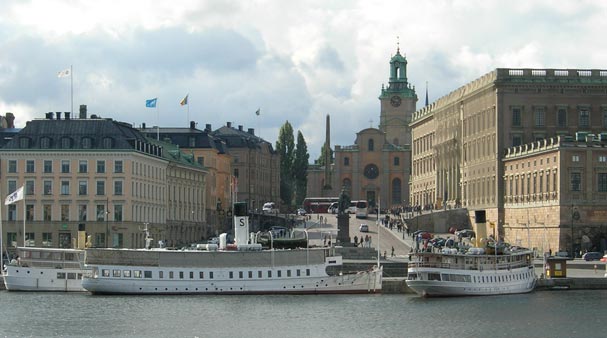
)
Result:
{"points": [[575, 216], [107, 226]]}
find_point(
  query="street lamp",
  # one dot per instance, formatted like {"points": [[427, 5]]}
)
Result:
{"points": [[107, 227], [575, 216]]}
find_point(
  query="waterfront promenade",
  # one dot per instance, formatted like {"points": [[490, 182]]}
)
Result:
{"points": [[583, 273]]}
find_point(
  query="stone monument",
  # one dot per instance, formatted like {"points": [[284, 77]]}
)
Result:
{"points": [[343, 219]]}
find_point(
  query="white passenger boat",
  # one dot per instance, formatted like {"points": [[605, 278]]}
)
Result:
{"points": [[45, 269], [239, 268], [473, 273]]}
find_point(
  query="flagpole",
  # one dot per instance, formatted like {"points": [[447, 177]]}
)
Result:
{"points": [[24, 219], [1, 243], [72, 90], [157, 122]]}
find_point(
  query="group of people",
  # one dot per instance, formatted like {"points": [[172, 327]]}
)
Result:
{"points": [[364, 242]]}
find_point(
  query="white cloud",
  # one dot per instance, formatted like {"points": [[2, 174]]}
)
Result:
{"points": [[297, 60]]}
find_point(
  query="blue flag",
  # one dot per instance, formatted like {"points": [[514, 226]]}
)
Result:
{"points": [[151, 103]]}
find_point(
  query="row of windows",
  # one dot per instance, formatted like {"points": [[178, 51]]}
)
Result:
{"points": [[201, 274], [101, 213], [478, 279], [65, 166], [395, 161], [539, 117], [47, 187], [64, 240], [66, 142]]}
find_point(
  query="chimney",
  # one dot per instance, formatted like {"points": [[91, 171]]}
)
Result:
{"points": [[207, 127], [252, 131], [143, 125], [58, 115], [192, 125], [229, 124], [10, 120], [240, 128], [83, 111], [49, 115], [67, 115]]}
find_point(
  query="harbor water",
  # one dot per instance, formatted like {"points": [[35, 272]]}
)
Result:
{"points": [[538, 314]]}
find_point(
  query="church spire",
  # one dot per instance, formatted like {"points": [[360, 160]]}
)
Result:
{"points": [[427, 102], [397, 45]]}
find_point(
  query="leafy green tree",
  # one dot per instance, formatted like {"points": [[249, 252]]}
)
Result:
{"points": [[285, 146], [321, 158], [300, 169]]}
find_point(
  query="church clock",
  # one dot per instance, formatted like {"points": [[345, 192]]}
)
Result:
{"points": [[371, 171], [395, 101]]}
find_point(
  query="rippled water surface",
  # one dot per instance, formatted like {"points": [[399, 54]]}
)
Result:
{"points": [[539, 314]]}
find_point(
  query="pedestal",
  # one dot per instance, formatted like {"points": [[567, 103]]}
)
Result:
{"points": [[343, 227]]}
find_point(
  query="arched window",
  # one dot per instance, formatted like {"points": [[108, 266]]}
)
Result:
{"points": [[66, 143], [24, 142], [370, 144], [396, 191], [87, 143], [346, 161], [45, 142], [396, 161], [108, 143]]}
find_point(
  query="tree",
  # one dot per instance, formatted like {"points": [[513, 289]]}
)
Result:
{"points": [[285, 146], [300, 169], [321, 158]]}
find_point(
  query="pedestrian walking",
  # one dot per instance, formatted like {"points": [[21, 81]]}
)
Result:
{"points": [[392, 252]]}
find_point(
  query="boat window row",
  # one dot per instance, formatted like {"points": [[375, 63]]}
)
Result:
{"points": [[501, 279], [117, 273], [69, 275]]}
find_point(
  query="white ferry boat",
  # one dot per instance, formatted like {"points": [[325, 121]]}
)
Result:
{"points": [[297, 271], [239, 268], [473, 273], [45, 269]]}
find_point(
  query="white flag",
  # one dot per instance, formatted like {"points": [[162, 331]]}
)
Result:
{"points": [[14, 197], [64, 73]]}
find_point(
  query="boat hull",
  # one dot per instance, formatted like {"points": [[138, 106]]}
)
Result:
{"points": [[127, 271], [510, 282], [362, 282], [19, 278]]}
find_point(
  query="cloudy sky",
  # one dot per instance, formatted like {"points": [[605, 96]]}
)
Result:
{"points": [[296, 60]]}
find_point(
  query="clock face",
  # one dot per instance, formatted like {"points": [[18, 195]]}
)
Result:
{"points": [[395, 101], [371, 171]]}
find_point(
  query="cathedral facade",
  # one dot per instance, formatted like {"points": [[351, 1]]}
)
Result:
{"points": [[377, 166]]}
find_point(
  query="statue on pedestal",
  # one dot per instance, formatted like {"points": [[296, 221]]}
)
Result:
{"points": [[344, 202]]}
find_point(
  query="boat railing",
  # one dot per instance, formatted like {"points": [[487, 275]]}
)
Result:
{"points": [[41, 263], [474, 265]]}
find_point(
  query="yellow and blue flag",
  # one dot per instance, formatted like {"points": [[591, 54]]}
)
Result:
{"points": [[184, 101]]}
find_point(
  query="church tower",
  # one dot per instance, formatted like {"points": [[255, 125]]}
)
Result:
{"points": [[397, 103]]}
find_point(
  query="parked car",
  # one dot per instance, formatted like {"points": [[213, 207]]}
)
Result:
{"points": [[592, 256], [465, 233], [269, 208], [363, 228], [301, 212], [423, 234]]}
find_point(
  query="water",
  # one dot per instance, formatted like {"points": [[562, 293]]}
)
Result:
{"points": [[539, 314]]}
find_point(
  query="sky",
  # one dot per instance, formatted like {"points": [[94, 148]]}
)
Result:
{"points": [[296, 61]]}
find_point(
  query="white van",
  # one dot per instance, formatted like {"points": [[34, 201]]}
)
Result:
{"points": [[269, 208], [333, 208]]}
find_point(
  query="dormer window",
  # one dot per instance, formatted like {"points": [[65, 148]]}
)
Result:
{"points": [[87, 143], [66, 143], [24, 142]]}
